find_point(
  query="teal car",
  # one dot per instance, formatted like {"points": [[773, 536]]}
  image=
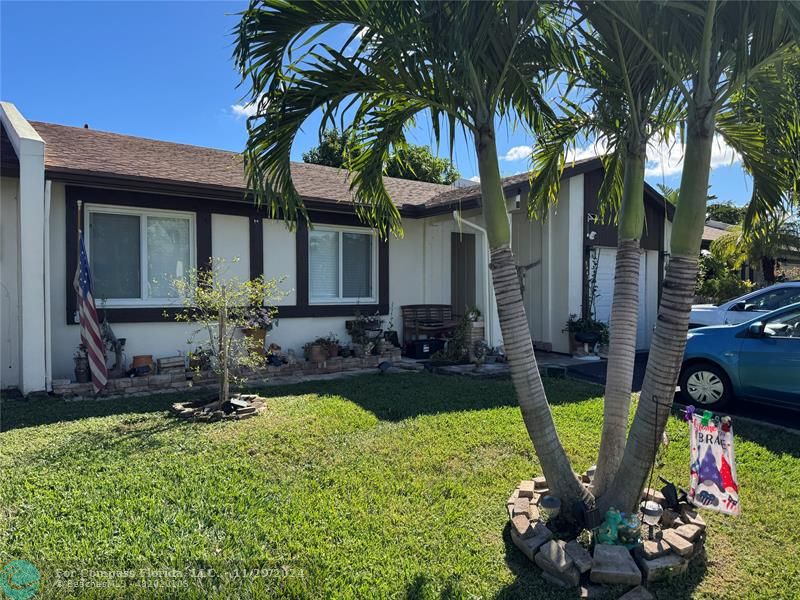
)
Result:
{"points": [[757, 360]]}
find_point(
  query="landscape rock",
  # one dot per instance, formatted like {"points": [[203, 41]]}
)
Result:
{"points": [[593, 591], [529, 546], [512, 499], [654, 495], [521, 506], [691, 517], [678, 543], [522, 526], [668, 518], [654, 548], [579, 555], [614, 564], [533, 512], [638, 593], [689, 531], [662, 567], [569, 579], [526, 489], [554, 552]]}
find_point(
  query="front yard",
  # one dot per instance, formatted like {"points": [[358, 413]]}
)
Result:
{"points": [[375, 486]]}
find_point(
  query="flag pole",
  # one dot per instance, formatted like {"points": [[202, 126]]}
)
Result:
{"points": [[80, 212]]}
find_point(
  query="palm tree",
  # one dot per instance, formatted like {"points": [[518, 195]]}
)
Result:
{"points": [[465, 64], [628, 103], [722, 48], [764, 243]]}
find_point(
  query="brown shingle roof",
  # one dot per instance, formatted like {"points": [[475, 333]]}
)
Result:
{"points": [[75, 150]]}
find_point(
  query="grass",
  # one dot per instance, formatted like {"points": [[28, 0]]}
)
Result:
{"points": [[378, 487]]}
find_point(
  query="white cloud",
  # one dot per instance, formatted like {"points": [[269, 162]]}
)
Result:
{"points": [[244, 110], [665, 158], [249, 109], [475, 178], [517, 153], [597, 148]]}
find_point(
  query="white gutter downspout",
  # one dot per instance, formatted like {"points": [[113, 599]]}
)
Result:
{"points": [[488, 318], [48, 363]]}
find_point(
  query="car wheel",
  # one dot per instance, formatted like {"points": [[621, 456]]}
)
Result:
{"points": [[705, 385]]}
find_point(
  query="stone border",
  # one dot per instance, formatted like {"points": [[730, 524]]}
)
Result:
{"points": [[177, 382], [568, 564]]}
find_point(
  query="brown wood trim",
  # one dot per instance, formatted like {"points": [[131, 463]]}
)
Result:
{"points": [[256, 247], [203, 209], [301, 260], [71, 254], [203, 239]]}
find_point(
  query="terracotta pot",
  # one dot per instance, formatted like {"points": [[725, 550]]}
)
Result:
{"points": [[316, 353]]}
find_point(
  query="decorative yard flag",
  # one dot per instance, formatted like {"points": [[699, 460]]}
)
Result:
{"points": [[712, 482], [90, 326]]}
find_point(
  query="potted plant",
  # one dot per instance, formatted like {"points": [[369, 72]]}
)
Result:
{"points": [[82, 374], [585, 331], [364, 328], [257, 323], [473, 314], [331, 345], [315, 351]]}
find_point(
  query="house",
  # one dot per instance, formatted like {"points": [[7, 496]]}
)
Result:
{"points": [[152, 209], [712, 231]]}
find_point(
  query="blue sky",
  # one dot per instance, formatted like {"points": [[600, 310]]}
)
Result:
{"points": [[164, 70]]}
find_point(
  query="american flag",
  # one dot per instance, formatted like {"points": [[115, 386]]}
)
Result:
{"points": [[90, 326]]}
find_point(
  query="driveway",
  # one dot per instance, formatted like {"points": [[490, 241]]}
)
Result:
{"points": [[596, 372]]}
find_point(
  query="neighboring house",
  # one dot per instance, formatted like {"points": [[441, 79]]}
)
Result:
{"points": [[713, 230], [151, 210]]}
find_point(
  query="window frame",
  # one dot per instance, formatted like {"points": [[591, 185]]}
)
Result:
{"points": [[143, 214], [374, 258]]}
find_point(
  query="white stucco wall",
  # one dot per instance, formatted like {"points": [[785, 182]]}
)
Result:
{"points": [[562, 259], [9, 282], [280, 261], [526, 242], [230, 238]]}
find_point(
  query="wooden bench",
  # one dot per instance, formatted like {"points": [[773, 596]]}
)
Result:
{"points": [[422, 321]]}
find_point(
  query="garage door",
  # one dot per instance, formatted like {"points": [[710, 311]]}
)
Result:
{"points": [[605, 294]]}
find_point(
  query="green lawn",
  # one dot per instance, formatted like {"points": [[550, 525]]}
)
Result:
{"points": [[374, 486]]}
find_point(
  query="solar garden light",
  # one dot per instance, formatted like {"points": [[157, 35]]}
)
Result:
{"points": [[550, 506], [651, 513]]}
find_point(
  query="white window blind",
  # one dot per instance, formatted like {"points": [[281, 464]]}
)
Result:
{"points": [[135, 255], [342, 266], [323, 257]]}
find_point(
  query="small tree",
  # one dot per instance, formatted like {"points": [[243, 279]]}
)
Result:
{"points": [[222, 305]]}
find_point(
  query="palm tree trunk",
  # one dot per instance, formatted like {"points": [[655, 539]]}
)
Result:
{"points": [[561, 479], [669, 337], [623, 325]]}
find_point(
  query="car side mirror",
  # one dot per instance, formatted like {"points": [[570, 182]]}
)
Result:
{"points": [[739, 307], [756, 329]]}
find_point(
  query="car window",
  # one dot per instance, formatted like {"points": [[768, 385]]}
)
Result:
{"points": [[774, 299], [785, 326]]}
